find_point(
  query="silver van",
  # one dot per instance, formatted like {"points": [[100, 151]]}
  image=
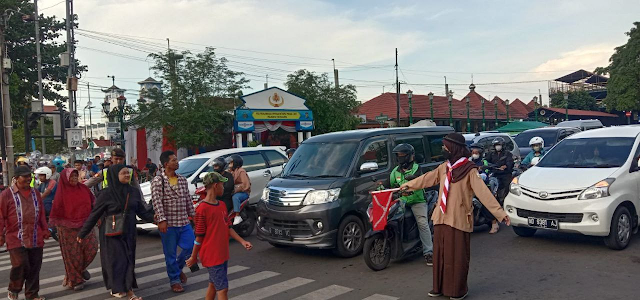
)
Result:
{"points": [[584, 125]]}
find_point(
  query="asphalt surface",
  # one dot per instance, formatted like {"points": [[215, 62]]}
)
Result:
{"points": [[503, 266]]}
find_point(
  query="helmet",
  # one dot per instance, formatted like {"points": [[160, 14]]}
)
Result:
{"points": [[476, 146], [406, 149], [236, 159], [290, 151], [536, 140], [498, 141], [43, 170], [219, 162], [58, 161], [22, 160]]}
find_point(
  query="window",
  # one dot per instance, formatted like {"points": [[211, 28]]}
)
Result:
{"points": [[509, 144], [275, 158], [417, 144], [187, 167], [611, 152], [435, 144], [253, 161], [375, 151], [321, 160]]}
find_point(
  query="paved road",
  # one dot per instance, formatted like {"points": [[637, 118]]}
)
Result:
{"points": [[503, 266]]}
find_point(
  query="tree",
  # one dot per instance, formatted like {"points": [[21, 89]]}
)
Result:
{"points": [[623, 87], [333, 108], [53, 146], [21, 48], [577, 100], [194, 107]]}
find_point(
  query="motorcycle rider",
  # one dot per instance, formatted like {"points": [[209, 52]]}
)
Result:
{"points": [[290, 152], [477, 158], [242, 184], [220, 166], [406, 170], [537, 146], [504, 160]]}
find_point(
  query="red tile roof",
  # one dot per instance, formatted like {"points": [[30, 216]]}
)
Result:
{"points": [[518, 110]]}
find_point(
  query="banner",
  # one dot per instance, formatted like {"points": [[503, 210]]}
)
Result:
{"points": [[248, 115], [382, 201]]}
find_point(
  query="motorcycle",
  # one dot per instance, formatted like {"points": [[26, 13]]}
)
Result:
{"points": [[482, 216], [399, 239], [247, 213]]}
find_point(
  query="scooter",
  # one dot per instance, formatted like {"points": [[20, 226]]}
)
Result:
{"points": [[482, 216], [399, 239], [247, 212]]}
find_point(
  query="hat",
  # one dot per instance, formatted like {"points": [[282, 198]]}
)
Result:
{"points": [[213, 177], [22, 171], [456, 138], [117, 152]]}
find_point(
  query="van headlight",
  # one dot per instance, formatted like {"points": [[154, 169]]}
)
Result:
{"points": [[321, 196], [265, 194], [514, 188], [598, 190]]}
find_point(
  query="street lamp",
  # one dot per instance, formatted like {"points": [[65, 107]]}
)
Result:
{"points": [[483, 122], [121, 103], [410, 95], [507, 104], [431, 104], [449, 95], [566, 106], [535, 104]]}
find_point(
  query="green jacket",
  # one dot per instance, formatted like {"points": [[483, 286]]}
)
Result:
{"points": [[397, 179]]}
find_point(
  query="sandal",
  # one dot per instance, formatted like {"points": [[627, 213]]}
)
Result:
{"points": [[177, 288], [36, 298], [183, 278], [12, 296], [134, 297], [118, 295], [494, 228]]}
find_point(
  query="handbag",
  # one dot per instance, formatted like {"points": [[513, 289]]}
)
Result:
{"points": [[115, 222]]}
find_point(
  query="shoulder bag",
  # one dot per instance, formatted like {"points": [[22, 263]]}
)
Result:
{"points": [[115, 222]]}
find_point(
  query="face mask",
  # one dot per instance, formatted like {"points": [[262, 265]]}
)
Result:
{"points": [[498, 148], [536, 148], [446, 154], [475, 156]]}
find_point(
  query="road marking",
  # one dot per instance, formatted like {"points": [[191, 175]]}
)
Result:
{"points": [[43, 261], [325, 293], [8, 262], [380, 297], [233, 284], [45, 250], [273, 289]]}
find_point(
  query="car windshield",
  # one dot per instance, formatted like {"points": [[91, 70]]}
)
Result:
{"points": [[588, 153], [321, 160], [549, 137], [189, 166]]}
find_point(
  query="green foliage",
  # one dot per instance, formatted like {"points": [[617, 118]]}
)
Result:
{"points": [[623, 87], [195, 104], [333, 108], [21, 48], [53, 146], [577, 100], [254, 144]]}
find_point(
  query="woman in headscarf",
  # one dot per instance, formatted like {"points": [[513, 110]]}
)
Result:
{"points": [[453, 215], [71, 208], [117, 253]]}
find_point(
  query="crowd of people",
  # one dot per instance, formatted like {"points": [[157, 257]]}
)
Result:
{"points": [[72, 201]]}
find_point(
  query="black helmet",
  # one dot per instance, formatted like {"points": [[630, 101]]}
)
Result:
{"points": [[236, 159], [405, 149], [290, 151], [498, 141], [476, 146], [220, 163]]}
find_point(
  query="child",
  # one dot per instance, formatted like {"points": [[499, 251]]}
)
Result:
{"points": [[212, 237]]}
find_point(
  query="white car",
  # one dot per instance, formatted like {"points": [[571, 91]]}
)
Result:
{"points": [[586, 184], [261, 164]]}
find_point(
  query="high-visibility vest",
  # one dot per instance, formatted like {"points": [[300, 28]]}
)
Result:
{"points": [[33, 181], [104, 177]]}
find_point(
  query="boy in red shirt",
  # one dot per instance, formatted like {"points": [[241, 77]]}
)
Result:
{"points": [[212, 237]]}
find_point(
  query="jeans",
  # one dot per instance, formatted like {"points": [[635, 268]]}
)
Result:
{"points": [[420, 212], [175, 237], [238, 198]]}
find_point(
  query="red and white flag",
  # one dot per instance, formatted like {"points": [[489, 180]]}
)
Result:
{"points": [[382, 200]]}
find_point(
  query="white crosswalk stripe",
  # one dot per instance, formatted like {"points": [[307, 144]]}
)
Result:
{"points": [[52, 248], [380, 297], [273, 290], [329, 292], [52, 253], [233, 284]]}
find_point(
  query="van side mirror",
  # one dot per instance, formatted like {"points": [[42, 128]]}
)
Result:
{"points": [[369, 167], [635, 164]]}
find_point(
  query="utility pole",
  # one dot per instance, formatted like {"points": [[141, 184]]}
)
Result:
{"points": [[431, 104], [507, 102], [468, 120], [71, 71], [90, 122], [335, 73], [40, 93], [495, 110], [397, 93], [448, 94], [7, 150], [484, 124]]}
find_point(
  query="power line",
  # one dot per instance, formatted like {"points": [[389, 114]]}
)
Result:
{"points": [[53, 6]]}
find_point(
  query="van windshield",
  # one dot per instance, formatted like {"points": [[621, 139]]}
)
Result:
{"points": [[549, 137], [589, 153], [321, 160], [187, 167]]}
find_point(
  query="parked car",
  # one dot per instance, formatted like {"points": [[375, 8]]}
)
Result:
{"points": [[261, 164], [486, 139], [584, 125], [550, 135], [321, 198], [586, 184]]}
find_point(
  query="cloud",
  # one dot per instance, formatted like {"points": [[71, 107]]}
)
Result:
{"points": [[587, 58]]}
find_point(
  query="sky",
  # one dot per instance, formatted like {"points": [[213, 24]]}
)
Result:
{"points": [[508, 48]]}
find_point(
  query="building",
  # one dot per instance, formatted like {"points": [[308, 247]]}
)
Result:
{"points": [[581, 80]]}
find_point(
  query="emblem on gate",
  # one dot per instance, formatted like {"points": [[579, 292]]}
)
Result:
{"points": [[543, 195], [276, 100]]}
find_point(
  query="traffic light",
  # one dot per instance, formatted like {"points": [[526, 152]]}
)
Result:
{"points": [[33, 120]]}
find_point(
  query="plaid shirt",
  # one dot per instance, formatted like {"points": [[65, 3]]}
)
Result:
{"points": [[172, 203]]}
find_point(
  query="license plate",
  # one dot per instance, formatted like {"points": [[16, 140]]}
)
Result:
{"points": [[280, 233], [543, 223]]}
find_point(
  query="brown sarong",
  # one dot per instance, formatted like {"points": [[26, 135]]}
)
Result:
{"points": [[76, 256], [451, 256]]}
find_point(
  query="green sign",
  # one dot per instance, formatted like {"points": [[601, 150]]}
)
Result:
{"points": [[382, 118]]}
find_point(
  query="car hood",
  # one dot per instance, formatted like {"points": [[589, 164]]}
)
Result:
{"points": [[311, 183], [556, 179]]}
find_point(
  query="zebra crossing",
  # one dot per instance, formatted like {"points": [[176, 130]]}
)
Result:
{"points": [[245, 283]]}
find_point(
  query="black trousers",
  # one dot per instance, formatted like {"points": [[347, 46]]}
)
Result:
{"points": [[25, 270]]}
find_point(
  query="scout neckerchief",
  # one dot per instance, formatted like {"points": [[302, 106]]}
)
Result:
{"points": [[18, 203], [445, 189]]}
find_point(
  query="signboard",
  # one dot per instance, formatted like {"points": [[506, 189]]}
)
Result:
{"points": [[74, 137], [628, 114], [249, 115], [244, 126], [382, 118], [304, 126]]}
